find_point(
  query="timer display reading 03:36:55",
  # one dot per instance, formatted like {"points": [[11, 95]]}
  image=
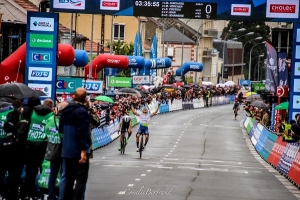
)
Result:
{"points": [[147, 3], [174, 9]]}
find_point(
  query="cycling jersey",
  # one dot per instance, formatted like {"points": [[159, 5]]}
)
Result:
{"points": [[144, 122], [125, 125]]}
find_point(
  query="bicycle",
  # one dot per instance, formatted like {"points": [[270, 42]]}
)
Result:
{"points": [[235, 110], [123, 143], [141, 142]]}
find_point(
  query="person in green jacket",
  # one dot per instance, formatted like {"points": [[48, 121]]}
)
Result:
{"points": [[54, 149], [36, 145]]}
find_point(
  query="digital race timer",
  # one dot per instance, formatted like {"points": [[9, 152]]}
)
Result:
{"points": [[171, 9]]}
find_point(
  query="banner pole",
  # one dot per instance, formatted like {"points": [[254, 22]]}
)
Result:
{"points": [[91, 51]]}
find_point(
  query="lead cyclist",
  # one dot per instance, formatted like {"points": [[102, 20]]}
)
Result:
{"points": [[144, 123]]}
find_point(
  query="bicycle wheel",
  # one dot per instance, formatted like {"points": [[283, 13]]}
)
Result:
{"points": [[123, 144], [141, 145]]}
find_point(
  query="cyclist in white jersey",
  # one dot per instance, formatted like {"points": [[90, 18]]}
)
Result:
{"points": [[144, 123]]}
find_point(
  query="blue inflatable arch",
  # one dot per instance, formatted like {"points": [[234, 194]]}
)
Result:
{"points": [[189, 66]]}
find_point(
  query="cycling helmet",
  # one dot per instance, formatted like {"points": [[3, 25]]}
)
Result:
{"points": [[126, 118]]}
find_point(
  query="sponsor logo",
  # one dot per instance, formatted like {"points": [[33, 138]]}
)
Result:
{"points": [[280, 9], [194, 67], [113, 61], [94, 86], [69, 4], [41, 40], [2, 124], [37, 73], [240, 9], [41, 24], [60, 84], [40, 74], [38, 127], [140, 79], [110, 4], [38, 57], [46, 88], [132, 62]]}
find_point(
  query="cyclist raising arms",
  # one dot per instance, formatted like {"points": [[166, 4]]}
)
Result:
{"points": [[144, 123], [125, 125], [236, 108]]}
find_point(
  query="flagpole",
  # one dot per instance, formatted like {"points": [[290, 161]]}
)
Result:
{"points": [[91, 55]]}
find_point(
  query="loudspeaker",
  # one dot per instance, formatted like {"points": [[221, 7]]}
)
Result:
{"points": [[284, 99], [264, 95], [271, 99]]}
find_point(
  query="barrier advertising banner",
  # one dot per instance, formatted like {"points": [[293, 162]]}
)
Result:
{"points": [[41, 48], [68, 85], [277, 152], [295, 169], [267, 149], [119, 81], [93, 87], [288, 157], [262, 140]]}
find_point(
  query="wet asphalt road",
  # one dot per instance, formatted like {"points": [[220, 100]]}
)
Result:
{"points": [[192, 155]]}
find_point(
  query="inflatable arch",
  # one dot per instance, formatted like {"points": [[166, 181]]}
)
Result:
{"points": [[189, 66], [106, 60]]}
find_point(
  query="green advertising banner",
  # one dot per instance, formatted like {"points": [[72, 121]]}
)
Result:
{"points": [[119, 81], [68, 85], [41, 40], [258, 86]]}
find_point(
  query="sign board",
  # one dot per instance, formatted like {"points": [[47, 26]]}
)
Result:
{"points": [[248, 10], [93, 87], [258, 86], [41, 46], [119, 81], [68, 85], [244, 82], [140, 79]]}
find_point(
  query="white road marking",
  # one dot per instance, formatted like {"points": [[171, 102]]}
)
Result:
{"points": [[246, 172], [217, 161], [143, 174], [180, 136], [121, 192], [171, 158], [165, 167], [178, 139], [240, 163], [130, 185], [103, 157], [167, 155], [175, 146], [171, 151], [149, 170], [137, 179], [176, 142], [203, 124], [161, 160], [182, 131]]}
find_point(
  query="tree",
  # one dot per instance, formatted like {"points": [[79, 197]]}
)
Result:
{"points": [[260, 29], [122, 48]]}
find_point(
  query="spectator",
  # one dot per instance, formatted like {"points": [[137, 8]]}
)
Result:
{"points": [[75, 126], [265, 118], [36, 145]]}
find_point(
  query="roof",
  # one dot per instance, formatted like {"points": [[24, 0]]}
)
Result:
{"points": [[95, 47], [179, 25], [29, 6], [155, 22], [147, 47], [173, 35]]}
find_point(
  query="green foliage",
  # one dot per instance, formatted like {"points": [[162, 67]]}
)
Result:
{"points": [[189, 80], [122, 48], [93, 57], [260, 29]]}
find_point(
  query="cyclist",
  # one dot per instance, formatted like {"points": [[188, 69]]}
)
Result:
{"points": [[125, 126], [236, 108], [144, 122]]}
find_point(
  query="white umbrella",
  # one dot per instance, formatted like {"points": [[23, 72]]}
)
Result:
{"points": [[220, 85], [207, 83], [229, 83]]}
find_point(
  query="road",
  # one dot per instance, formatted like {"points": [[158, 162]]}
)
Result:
{"points": [[198, 154]]}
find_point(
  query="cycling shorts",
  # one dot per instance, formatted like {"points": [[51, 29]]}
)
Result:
{"points": [[144, 130], [124, 128]]}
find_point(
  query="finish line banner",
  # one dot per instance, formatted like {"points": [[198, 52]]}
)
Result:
{"points": [[248, 10]]}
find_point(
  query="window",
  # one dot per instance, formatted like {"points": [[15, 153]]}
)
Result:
{"points": [[119, 31]]}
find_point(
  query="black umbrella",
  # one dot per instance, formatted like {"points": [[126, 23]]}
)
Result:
{"points": [[259, 104], [17, 90], [129, 91], [6, 99], [4, 104], [253, 98], [39, 93]]}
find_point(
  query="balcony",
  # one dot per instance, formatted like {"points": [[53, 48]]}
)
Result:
{"points": [[211, 33]]}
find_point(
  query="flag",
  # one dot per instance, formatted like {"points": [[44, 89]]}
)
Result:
{"points": [[140, 45], [272, 69], [282, 69], [135, 47], [153, 54]]}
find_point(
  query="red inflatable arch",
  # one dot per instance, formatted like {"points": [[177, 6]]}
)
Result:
{"points": [[106, 60], [16, 61], [10, 76]]}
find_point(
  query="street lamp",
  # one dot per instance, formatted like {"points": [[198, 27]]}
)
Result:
{"points": [[251, 60], [262, 55], [233, 54], [182, 48], [239, 30], [257, 38]]}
